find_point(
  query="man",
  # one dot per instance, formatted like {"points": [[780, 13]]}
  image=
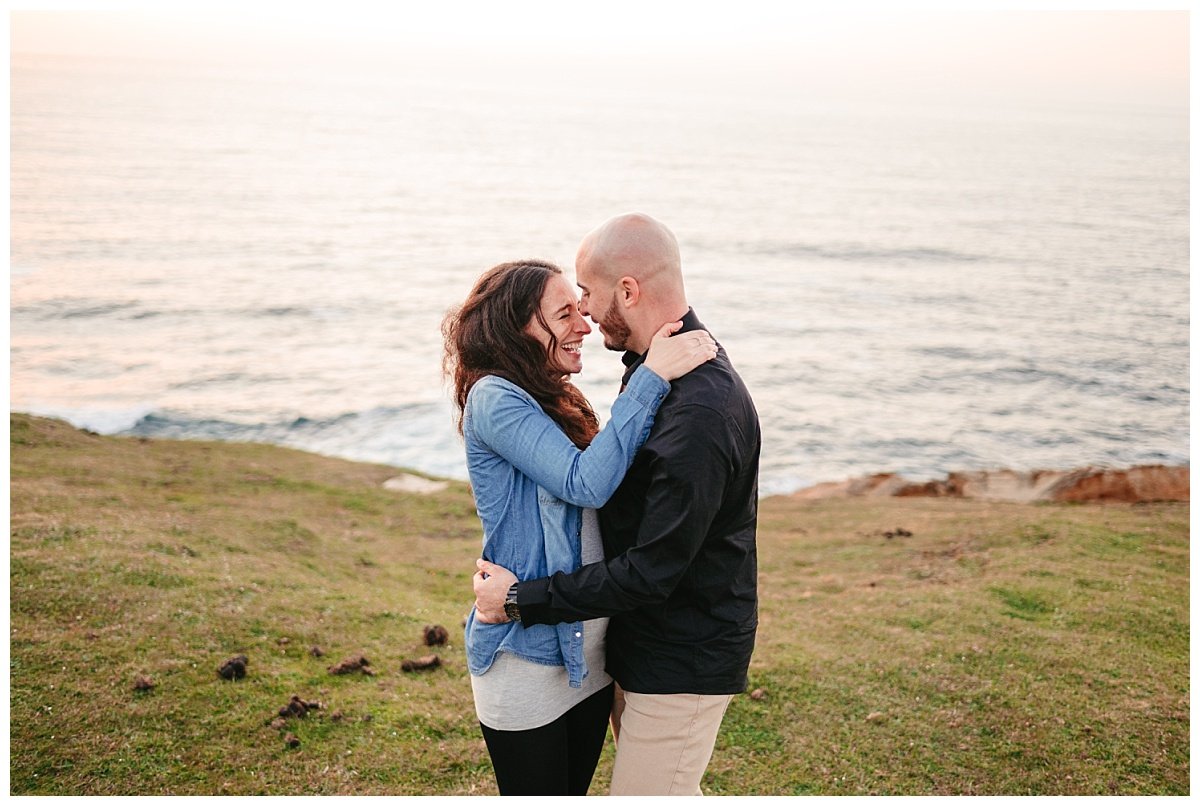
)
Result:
{"points": [[680, 579]]}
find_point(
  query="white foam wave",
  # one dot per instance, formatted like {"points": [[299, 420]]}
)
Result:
{"points": [[100, 420]]}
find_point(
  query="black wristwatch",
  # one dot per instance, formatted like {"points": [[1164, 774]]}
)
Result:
{"points": [[510, 603]]}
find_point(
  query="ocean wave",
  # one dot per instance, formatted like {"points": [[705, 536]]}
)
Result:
{"points": [[956, 353], [1004, 390], [318, 312], [62, 308], [100, 420], [419, 436], [65, 308], [862, 253], [225, 379], [280, 311]]}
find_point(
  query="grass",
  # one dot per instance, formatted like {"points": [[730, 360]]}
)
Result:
{"points": [[1001, 649]]}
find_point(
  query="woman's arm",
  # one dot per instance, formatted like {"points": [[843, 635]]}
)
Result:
{"points": [[515, 427]]}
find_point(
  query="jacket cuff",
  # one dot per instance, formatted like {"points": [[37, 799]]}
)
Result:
{"points": [[533, 599]]}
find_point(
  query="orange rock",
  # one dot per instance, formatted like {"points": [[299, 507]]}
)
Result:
{"points": [[1144, 483], [1161, 483], [827, 489], [1137, 484], [1008, 485], [932, 489], [877, 485]]}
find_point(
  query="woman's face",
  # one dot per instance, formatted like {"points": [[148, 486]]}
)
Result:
{"points": [[560, 309]]}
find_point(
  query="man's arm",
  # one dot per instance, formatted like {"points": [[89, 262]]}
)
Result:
{"points": [[689, 470]]}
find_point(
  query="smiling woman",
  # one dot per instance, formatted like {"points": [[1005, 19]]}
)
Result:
{"points": [[559, 326], [503, 329]]}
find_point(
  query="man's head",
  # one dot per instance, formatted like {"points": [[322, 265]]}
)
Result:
{"points": [[629, 271]]}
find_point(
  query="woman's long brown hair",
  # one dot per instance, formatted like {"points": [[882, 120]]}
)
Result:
{"points": [[486, 336]]}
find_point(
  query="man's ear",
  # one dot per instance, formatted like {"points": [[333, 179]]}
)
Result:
{"points": [[629, 291]]}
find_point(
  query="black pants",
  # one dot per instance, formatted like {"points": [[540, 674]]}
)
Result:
{"points": [[555, 759]]}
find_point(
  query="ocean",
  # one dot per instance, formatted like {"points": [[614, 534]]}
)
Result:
{"points": [[204, 252]]}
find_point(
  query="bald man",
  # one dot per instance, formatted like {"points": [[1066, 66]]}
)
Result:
{"points": [[679, 582]]}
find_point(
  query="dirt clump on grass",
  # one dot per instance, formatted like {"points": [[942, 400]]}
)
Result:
{"points": [[436, 635], [354, 663], [234, 668], [298, 707], [421, 664]]}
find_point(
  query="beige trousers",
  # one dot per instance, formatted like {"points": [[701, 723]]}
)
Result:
{"points": [[664, 741]]}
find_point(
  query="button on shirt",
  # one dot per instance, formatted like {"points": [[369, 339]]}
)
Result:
{"points": [[680, 582]]}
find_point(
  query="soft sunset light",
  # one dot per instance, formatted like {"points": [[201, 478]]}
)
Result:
{"points": [[274, 269], [1105, 55]]}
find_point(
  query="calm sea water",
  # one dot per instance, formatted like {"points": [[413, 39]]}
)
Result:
{"points": [[264, 255]]}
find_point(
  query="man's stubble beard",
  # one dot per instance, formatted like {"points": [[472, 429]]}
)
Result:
{"points": [[616, 328]]}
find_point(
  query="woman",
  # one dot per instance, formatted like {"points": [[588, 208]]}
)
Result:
{"points": [[539, 465]]}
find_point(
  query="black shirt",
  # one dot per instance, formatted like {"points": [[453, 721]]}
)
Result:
{"points": [[680, 581]]}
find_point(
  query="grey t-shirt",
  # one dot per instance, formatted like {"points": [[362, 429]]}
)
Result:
{"points": [[516, 694]]}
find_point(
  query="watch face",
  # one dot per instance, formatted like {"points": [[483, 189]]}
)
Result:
{"points": [[512, 611]]}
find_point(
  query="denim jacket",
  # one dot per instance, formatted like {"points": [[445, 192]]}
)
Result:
{"points": [[530, 483]]}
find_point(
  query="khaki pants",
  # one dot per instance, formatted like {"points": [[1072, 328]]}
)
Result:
{"points": [[664, 741]]}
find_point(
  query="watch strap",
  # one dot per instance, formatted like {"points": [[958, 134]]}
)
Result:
{"points": [[510, 603]]}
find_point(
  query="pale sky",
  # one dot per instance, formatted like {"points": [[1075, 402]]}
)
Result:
{"points": [[1125, 55]]}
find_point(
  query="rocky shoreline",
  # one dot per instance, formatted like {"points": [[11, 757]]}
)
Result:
{"points": [[1140, 484]]}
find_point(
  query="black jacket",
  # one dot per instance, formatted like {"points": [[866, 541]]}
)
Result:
{"points": [[680, 581]]}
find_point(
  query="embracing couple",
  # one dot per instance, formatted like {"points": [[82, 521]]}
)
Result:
{"points": [[619, 576]]}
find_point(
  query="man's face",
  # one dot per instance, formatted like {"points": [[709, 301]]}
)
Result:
{"points": [[608, 316]]}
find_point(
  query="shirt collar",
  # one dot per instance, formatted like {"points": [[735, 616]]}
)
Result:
{"points": [[634, 360]]}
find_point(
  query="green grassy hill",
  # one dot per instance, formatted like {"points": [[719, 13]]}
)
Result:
{"points": [[999, 649]]}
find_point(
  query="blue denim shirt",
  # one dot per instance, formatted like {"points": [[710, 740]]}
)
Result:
{"points": [[530, 483]]}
